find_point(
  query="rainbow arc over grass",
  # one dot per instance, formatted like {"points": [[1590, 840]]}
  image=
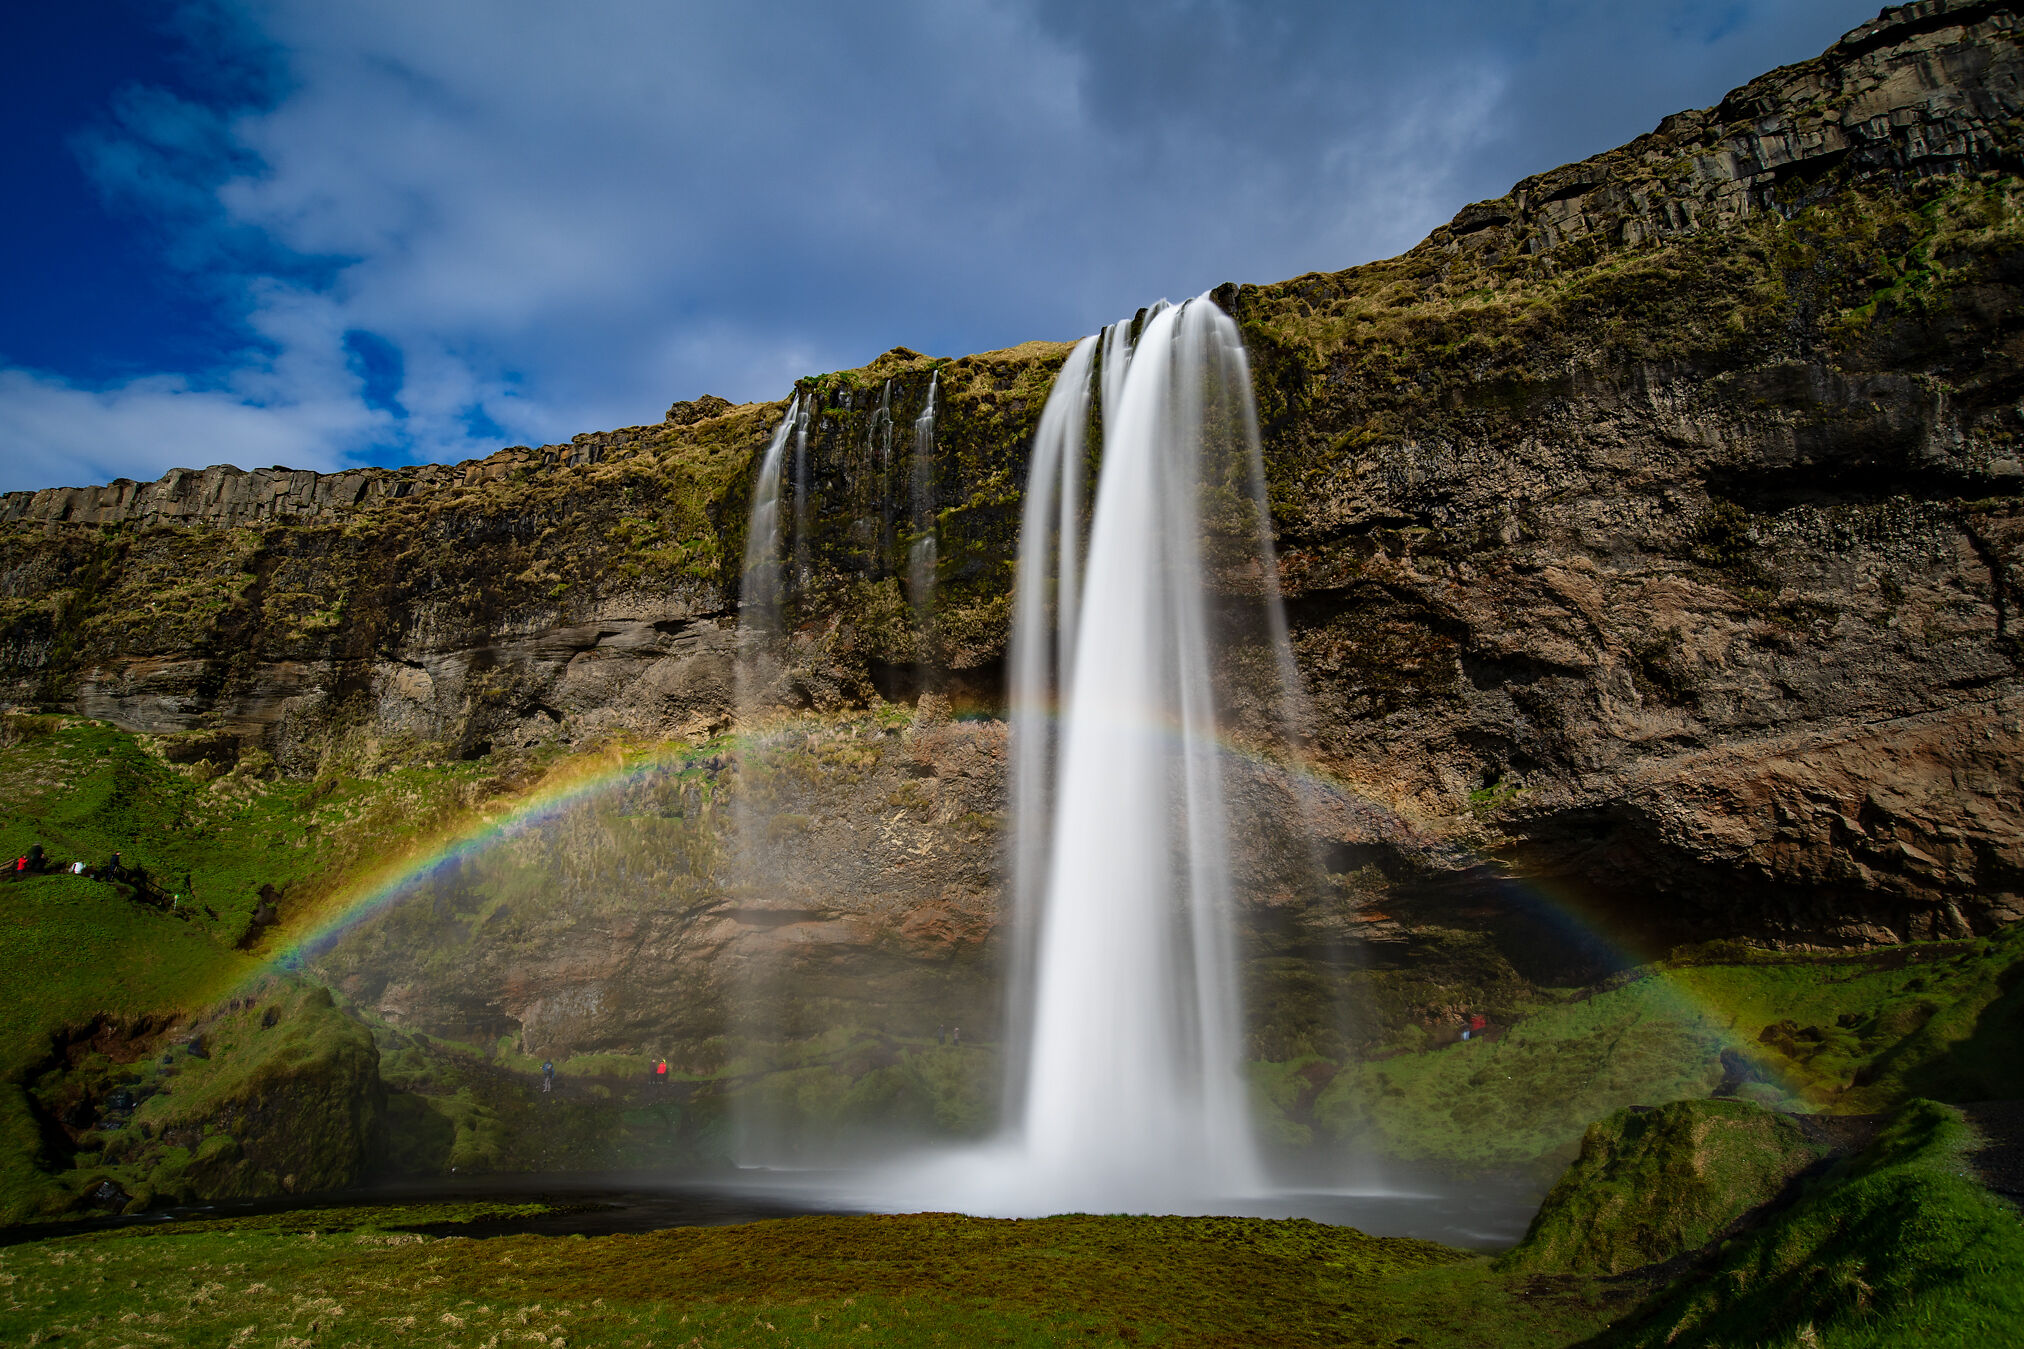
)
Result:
{"points": [[570, 784], [581, 780]]}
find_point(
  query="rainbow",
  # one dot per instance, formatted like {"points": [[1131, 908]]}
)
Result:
{"points": [[567, 785], [582, 779]]}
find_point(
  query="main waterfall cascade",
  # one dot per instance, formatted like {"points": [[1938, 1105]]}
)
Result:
{"points": [[1123, 1052], [1127, 1078]]}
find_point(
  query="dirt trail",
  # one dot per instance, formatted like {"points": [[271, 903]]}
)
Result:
{"points": [[1999, 1161]]}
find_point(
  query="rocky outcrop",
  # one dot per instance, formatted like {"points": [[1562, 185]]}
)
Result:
{"points": [[1650, 539], [226, 496], [1655, 1183], [275, 1091], [1924, 90]]}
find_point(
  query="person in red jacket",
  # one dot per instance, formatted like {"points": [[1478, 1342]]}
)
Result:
{"points": [[661, 1073]]}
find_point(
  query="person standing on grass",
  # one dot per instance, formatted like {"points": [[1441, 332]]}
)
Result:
{"points": [[661, 1073], [547, 1076]]}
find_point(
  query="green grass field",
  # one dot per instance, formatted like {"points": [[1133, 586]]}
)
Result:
{"points": [[928, 1279], [1893, 1246]]}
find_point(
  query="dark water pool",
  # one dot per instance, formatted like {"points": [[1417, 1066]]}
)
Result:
{"points": [[1480, 1216]]}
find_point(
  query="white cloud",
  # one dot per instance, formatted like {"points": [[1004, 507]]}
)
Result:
{"points": [[562, 217], [67, 436]]}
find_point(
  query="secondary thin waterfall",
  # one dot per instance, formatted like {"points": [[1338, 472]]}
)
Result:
{"points": [[923, 555], [801, 517], [878, 455], [759, 594]]}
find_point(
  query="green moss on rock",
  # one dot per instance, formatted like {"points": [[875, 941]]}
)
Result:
{"points": [[1653, 1183], [1897, 1245]]}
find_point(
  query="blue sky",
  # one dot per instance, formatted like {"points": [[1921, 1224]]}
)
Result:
{"points": [[393, 231]]}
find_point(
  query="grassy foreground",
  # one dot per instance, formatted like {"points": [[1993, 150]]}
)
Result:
{"points": [[923, 1279], [1895, 1245]]}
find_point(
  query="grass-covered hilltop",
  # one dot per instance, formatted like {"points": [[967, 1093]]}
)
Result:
{"points": [[1650, 539]]}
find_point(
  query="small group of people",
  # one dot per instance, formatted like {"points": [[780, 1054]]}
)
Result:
{"points": [[945, 1036], [658, 1074], [36, 862], [1474, 1024]]}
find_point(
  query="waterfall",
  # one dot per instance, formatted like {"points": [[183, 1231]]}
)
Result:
{"points": [[761, 665], [1133, 1086], [923, 554], [1124, 1048], [759, 593], [878, 457], [1043, 644], [1124, 1043], [801, 519]]}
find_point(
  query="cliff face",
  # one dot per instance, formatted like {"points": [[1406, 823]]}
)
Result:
{"points": [[1667, 508], [1650, 534]]}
